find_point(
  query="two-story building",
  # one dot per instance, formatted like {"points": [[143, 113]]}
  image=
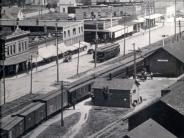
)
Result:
{"points": [[17, 51]]}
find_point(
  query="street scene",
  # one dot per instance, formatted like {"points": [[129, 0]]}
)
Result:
{"points": [[92, 69]]}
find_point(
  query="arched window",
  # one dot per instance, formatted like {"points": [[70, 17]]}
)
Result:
{"points": [[79, 30], [68, 33], [64, 34], [74, 31]]}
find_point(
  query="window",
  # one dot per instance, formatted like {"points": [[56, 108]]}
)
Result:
{"points": [[121, 12], [63, 10], [19, 47], [64, 34], [14, 50], [84, 15], [8, 50], [68, 33], [99, 14], [11, 50], [74, 31], [114, 13], [25, 45], [79, 30]]}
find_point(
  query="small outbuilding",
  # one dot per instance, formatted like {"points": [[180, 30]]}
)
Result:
{"points": [[149, 129], [115, 92]]}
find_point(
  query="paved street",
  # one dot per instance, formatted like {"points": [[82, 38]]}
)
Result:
{"points": [[44, 79]]}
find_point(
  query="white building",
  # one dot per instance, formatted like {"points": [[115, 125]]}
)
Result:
{"points": [[64, 4]]}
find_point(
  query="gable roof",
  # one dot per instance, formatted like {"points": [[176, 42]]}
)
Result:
{"points": [[175, 99], [150, 129], [118, 84], [176, 50]]}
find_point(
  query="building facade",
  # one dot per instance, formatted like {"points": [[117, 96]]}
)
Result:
{"points": [[115, 93], [16, 51]]}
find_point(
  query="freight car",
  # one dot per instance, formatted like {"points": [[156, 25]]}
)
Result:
{"points": [[44, 107], [106, 52], [33, 114], [11, 127]]}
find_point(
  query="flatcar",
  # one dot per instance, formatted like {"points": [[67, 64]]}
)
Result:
{"points": [[106, 52]]}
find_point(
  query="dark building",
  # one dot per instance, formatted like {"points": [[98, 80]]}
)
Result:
{"points": [[149, 129], [168, 111], [166, 61], [115, 92]]}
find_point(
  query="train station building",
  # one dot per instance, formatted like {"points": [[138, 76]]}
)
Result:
{"points": [[115, 92], [149, 129], [167, 60]]}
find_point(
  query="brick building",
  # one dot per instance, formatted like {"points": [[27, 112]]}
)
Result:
{"points": [[17, 51], [115, 92]]}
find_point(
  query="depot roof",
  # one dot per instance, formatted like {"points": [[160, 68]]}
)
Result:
{"points": [[149, 129]]}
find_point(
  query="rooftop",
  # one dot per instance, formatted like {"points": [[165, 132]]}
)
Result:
{"points": [[150, 129], [118, 84], [174, 99]]}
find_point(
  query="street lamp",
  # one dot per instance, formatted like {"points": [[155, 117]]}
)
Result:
{"points": [[31, 76], [96, 42]]}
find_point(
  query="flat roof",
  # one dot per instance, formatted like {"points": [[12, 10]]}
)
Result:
{"points": [[118, 84], [153, 16], [150, 129]]}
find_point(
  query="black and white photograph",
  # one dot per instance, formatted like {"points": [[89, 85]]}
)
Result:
{"points": [[92, 68]]}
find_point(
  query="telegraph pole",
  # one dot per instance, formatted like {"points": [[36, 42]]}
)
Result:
{"points": [[78, 59], [4, 81], [124, 48], [96, 44], [180, 28], [134, 61], [31, 81], [149, 23], [175, 19], [57, 64], [62, 90]]}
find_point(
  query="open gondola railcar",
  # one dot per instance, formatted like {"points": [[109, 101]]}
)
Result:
{"points": [[106, 52]]}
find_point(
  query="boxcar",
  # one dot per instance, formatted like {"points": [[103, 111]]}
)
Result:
{"points": [[53, 102], [106, 52], [32, 114], [11, 127]]}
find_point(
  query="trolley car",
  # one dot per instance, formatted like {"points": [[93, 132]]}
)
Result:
{"points": [[106, 52]]}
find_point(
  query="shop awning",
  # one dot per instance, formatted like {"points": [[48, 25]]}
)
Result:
{"points": [[139, 20], [115, 28], [153, 16]]}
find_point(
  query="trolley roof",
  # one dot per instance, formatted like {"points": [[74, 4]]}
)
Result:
{"points": [[107, 47]]}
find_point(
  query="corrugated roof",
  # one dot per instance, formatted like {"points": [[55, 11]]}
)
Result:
{"points": [[118, 84], [175, 99], [150, 129]]}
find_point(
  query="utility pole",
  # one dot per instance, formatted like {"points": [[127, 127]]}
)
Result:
{"points": [[149, 23], [4, 81], [134, 61], [124, 48], [175, 20], [180, 28], [57, 64], [62, 90], [78, 59], [31, 80], [96, 44], [111, 24]]}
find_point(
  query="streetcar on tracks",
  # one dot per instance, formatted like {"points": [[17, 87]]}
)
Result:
{"points": [[106, 52]]}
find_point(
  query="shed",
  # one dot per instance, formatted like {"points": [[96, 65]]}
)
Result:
{"points": [[149, 129], [115, 92], [167, 61]]}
